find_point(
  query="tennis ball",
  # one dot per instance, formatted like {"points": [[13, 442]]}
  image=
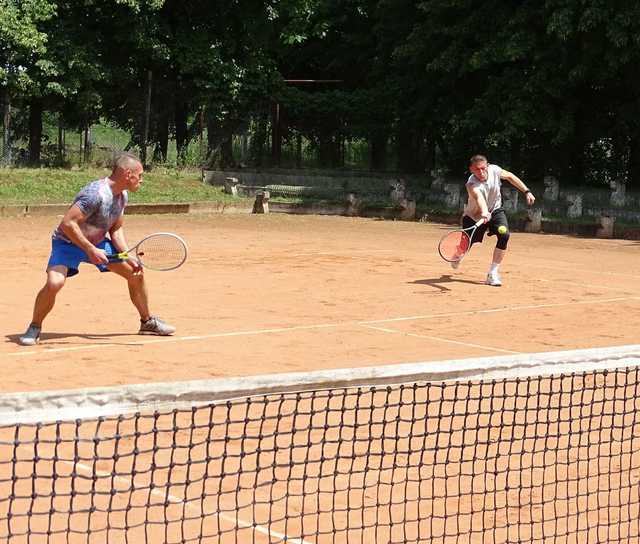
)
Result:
{"points": [[502, 229]]}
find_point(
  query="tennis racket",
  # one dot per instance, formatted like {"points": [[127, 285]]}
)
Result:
{"points": [[160, 251], [456, 244]]}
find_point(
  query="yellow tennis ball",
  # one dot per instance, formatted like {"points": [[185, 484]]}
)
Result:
{"points": [[502, 229]]}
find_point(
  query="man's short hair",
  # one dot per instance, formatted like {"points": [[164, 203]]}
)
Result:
{"points": [[125, 161], [477, 158]]}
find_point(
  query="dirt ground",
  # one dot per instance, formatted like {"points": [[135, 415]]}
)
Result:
{"points": [[278, 293]]}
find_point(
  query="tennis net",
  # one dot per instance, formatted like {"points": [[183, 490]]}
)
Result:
{"points": [[527, 448]]}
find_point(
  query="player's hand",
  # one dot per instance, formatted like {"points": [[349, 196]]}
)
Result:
{"points": [[486, 217], [530, 198], [135, 264], [98, 256]]}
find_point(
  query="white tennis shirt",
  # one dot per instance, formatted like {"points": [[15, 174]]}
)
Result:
{"points": [[490, 189]]}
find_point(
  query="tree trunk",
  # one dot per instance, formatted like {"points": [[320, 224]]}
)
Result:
{"points": [[202, 125], [6, 134], [406, 150], [634, 160], [162, 144], [147, 118], [276, 134], [298, 150], [430, 155], [226, 152], [181, 128], [329, 152], [378, 152], [212, 127], [61, 149], [35, 131], [258, 142]]}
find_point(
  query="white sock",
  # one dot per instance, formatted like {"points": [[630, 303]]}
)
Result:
{"points": [[493, 268]]}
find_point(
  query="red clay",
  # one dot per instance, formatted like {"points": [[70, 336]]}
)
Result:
{"points": [[276, 293]]}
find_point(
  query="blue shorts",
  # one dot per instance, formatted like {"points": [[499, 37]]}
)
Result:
{"points": [[70, 255]]}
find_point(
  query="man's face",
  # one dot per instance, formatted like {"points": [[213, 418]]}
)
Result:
{"points": [[134, 177], [480, 170]]}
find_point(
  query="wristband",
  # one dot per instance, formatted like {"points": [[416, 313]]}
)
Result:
{"points": [[528, 192]]}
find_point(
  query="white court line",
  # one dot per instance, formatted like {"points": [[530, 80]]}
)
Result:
{"points": [[341, 254], [167, 339], [438, 339], [178, 500], [497, 310], [588, 285], [572, 268]]}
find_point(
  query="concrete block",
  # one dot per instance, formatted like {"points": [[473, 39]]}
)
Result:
{"points": [[533, 222], [408, 209], [574, 201], [261, 204], [452, 192], [354, 204], [551, 188], [231, 186], [618, 193], [510, 199], [398, 191], [604, 226]]}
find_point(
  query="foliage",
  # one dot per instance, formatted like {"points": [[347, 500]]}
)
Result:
{"points": [[541, 87]]}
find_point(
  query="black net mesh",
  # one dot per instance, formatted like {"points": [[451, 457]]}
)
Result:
{"points": [[537, 459]]}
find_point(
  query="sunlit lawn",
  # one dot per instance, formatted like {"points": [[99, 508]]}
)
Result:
{"points": [[52, 185]]}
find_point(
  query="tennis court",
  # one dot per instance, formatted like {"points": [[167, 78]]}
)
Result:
{"points": [[279, 294], [276, 293]]}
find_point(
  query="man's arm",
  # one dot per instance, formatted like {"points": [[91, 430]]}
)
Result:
{"points": [[70, 226], [116, 234], [518, 184], [478, 198], [119, 242]]}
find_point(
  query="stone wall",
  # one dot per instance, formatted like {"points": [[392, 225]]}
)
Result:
{"points": [[600, 207], [603, 206]]}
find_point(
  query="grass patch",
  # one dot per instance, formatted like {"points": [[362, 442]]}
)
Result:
{"points": [[58, 186]]}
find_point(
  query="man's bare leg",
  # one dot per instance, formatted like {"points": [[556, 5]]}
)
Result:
{"points": [[45, 301], [137, 287], [140, 299], [498, 255], [46, 297], [493, 277]]}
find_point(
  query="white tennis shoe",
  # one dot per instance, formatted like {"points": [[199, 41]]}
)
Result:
{"points": [[155, 325], [493, 278], [31, 337]]}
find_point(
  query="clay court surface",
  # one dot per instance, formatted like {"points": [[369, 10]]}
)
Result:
{"points": [[280, 293], [274, 294]]}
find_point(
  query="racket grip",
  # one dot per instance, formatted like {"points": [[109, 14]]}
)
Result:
{"points": [[117, 257]]}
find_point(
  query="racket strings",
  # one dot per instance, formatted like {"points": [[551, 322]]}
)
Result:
{"points": [[162, 252], [454, 245]]}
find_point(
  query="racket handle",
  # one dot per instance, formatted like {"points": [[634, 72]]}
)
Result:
{"points": [[118, 257]]}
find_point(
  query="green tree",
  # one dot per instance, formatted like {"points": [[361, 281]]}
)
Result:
{"points": [[21, 44]]}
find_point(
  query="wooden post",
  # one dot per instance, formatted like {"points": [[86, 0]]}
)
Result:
{"points": [[87, 144]]}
